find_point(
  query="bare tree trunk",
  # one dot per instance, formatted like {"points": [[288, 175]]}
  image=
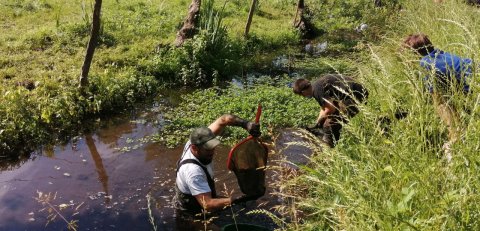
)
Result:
{"points": [[250, 16], [189, 26], [302, 21], [300, 9], [91, 44]]}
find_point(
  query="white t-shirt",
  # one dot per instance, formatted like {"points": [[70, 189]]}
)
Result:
{"points": [[191, 178]]}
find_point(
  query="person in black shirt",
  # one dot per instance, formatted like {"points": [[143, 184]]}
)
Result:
{"points": [[338, 97]]}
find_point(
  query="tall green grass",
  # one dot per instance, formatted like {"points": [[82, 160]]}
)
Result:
{"points": [[400, 180]]}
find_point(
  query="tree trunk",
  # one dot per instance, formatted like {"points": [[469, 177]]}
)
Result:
{"points": [[189, 26], [250, 16], [91, 44], [300, 9], [302, 21]]}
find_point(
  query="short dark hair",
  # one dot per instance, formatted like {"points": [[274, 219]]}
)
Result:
{"points": [[300, 85], [420, 43]]}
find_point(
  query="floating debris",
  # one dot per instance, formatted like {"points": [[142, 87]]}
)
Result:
{"points": [[66, 174], [101, 194], [56, 167]]}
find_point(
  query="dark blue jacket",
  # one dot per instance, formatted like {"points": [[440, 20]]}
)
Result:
{"points": [[448, 68]]}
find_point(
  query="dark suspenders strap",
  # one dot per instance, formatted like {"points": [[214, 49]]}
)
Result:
{"points": [[211, 182]]}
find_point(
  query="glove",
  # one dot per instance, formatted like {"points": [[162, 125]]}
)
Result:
{"points": [[253, 129], [244, 199]]}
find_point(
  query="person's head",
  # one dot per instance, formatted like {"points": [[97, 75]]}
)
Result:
{"points": [[303, 87], [420, 43], [203, 144]]}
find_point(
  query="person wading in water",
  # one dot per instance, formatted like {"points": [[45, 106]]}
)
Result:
{"points": [[195, 187]]}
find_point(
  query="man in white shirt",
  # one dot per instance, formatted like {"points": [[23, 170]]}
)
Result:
{"points": [[195, 187]]}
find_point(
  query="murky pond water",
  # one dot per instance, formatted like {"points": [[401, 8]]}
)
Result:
{"points": [[111, 179]]}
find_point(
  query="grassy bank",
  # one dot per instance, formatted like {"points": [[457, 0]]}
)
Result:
{"points": [[401, 180]]}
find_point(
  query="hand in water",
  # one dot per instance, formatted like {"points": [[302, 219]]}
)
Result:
{"points": [[244, 199]]}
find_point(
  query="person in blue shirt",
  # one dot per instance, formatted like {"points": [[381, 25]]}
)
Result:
{"points": [[447, 74]]}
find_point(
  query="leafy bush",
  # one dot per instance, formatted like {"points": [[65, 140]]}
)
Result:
{"points": [[19, 121], [116, 90], [209, 56]]}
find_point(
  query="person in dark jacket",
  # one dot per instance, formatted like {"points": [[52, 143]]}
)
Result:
{"points": [[338, 96]]}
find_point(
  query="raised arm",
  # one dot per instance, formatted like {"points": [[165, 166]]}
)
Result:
{"points": [[232, 120]]}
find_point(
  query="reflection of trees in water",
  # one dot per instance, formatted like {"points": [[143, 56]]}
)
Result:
{"points": [[9, 164], [145, 116], [102, 173], [115, 129]]}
